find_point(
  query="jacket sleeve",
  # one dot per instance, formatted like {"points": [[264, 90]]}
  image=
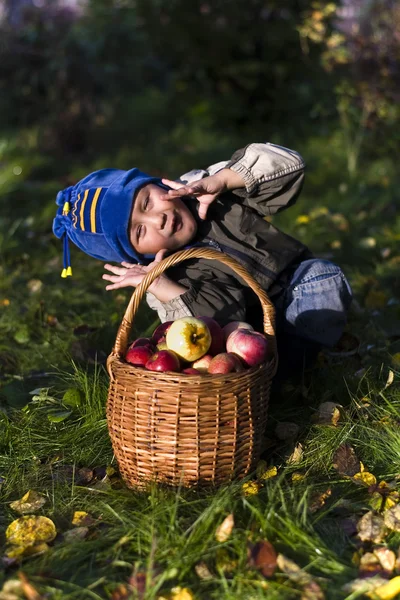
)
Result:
{"points": [[273, 176], [212, 294]]}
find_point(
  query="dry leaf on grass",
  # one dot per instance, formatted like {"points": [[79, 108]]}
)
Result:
{"points": [[83, 519], [250, 488], [296, 456], [345, 461], [264, 472], [29, 503], [75, 535], [387, 591], [369, 565], [203, 572], [371, 528], [318, 500], [30, 530], [386, 557], [292, 570], [328, 413], [363, 584], [392, 518], [263, 557], [30, 592], [224, 530], [365, 478], [312, 591]]}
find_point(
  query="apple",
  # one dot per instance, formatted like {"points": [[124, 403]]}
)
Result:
{"points": [[250, 345], [225, 362], [164, 360], [191, 371], [202, 364], [159, 332], [142, 341], [233, 325], [139, 355], [217, 335], [189, 337]]}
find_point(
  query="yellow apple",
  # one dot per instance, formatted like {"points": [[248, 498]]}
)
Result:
{"points": [[189, 338]]}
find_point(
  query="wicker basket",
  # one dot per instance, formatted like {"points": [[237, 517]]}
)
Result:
{"points": [[187, 429]]}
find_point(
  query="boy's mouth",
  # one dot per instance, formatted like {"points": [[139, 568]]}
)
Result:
{"points": [[176, 223]]}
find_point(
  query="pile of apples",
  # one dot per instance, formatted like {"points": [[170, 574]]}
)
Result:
{"points": [[194, 345]]}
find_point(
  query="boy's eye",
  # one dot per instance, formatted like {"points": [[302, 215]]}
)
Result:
{"points": [[139, 232], [146, 203]]}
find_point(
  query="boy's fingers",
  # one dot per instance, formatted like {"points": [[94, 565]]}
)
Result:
{"points": [[116, 270], [128, 265], [203, 211], [160, 255], [175, 185]]}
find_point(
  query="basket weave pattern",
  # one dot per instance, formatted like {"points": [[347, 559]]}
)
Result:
{"points": [[187, 429]]}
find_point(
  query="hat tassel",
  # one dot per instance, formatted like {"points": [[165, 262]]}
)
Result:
{"points": [[67, 271]]}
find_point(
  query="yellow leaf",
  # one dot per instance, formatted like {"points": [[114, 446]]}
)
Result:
{"points": [[297, 477], [250, 488], [224, 530], [82, 519], [302, 220], [390, 379], [268, 474], [365, 478], [387, 591], [5, 302], [179, 593], [29, 503], [30, 530]]}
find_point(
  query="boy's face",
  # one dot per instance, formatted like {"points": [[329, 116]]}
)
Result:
{"points": [[158, 224]]}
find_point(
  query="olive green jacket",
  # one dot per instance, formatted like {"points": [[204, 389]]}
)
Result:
{"points": [[236, 225]]}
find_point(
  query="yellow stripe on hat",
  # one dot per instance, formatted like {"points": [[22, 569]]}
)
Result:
{"points": [[83, 209], [93, 211]]}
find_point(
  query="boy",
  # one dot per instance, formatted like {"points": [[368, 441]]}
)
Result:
{"points": [[132, 218]]}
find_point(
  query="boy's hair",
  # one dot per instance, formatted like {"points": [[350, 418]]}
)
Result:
{"points": [[94, 214]]}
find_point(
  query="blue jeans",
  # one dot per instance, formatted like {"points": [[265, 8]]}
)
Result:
{"points": [[311, 313]]}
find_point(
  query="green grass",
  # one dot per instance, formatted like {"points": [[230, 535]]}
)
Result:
{"points": [[56, 335]]}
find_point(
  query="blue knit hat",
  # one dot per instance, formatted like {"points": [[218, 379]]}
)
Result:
{"points": [[94, 214]]}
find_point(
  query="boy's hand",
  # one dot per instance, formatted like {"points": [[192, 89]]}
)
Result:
{"points": [[206, 190], [131, 274]]}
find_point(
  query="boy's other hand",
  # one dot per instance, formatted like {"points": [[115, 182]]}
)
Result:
{"points": [[206, 190], [131, 274]]}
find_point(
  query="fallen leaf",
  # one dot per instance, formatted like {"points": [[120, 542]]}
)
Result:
{"points": [[286, 430], [312, 591], [224, 530], [296, 456], [392, 518], [292, 570], [363, 585], [386, 557], [34, 285], [83, 519], [121, 592], [75, 535], [318, 500], [224, 561], [83, 476], [371, 528], [73, 397], [250, 488], [264, 473], [30, 592], [390, 379], [370, 565], [203, 572], [365, 478], [387, 591], [18, 552], [180, 593], [137, 583], [263, 557], [345, 461], [328, 414], [297, 477], [30, 530], [29, 503]]}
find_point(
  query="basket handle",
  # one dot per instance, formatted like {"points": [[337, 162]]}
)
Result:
{"points": [[121, 341]]}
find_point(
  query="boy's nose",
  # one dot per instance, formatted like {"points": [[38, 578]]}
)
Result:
{"points": [[158, 220]]}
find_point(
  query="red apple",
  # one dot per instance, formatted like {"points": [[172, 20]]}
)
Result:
{"points": [[142, 341], [226, 362], [251, 346], [217, 335], [138, 355], [202, 363], [160, 332], [191, 371], [189, 337], [233, 325], [164, 360]]}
